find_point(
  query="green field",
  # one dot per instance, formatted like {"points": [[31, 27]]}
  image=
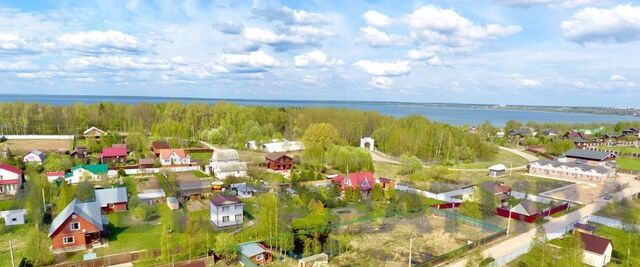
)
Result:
{"points": [[202, 157], [17, 235], [504, 157], [622, 149], [628, 164]]}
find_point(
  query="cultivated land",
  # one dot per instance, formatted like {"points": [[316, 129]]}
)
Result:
{"points": [[629, 163], [622, 149], [19, 147], [385, 242]]}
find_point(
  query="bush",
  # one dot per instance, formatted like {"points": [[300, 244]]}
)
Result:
{"points": [[144, 212]]}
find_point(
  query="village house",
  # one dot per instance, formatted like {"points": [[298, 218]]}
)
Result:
{"points": [[500, 133], [156, 146], [93, 132], [10, 179], [278, 161], [526, 207], [173, 203], [54, 176], [35, 156], [112, 199], [575, 134], [226, 210], [590, 156], [355, 180], [114, 154], [597, 250], [635, 132], [225, 163], [194, 190], [497, 170], [93, 172], [146, 163], [242, 190], [78, 227], [13, 217], [584, 228], [498, 189], [284, 146], [254, 253], [577, 170], [174, 157], [79, 152], [386, 183]]}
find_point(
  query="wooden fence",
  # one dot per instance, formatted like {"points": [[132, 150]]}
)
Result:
{"points": [[113, 259], [450, 205]]}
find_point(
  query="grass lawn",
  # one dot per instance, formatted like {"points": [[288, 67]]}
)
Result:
{"points": [[273, 177], [385, 169], [524, 183], [504, 157], [629, 164], [126, 235], [203, 157], [18, 235], [622, 149], [199, 174], [623, 242]]}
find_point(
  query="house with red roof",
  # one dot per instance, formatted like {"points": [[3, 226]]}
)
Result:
{"points": [[53, 176], [10, 179], [174, 157], [114, 154], [355, 180], [597, 250]]}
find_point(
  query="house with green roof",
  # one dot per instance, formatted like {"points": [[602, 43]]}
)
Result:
{"points": [[92, 171]]}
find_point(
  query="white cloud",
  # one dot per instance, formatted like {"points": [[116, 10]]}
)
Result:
{"points": [[257, 61], [434, 61], [523, 82], [618, 24], [376, 19], [618, 78], [376, 38], [315, 58], [381, 82], [100, 42], [288, 37], [290, 16], [384, 68], [14, 44], [559, 4], [309, 79], [433, 25], [228, 27], [118, 63], [526, 3], [18, 66], [571, 4], [423, 53]]}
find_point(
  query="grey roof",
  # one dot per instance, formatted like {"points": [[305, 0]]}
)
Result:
{"points": [[231, 166], [242, 187], [38, 153], [251, 249], [111, 195], [225, 155], [88, 210], [573, 164], [222, 199], [529, 206], [151, 194], [587, 154]]}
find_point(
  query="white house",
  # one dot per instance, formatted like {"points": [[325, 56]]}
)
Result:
{"points": [[577, 170], [13, 217], [226, 210], [35, 156], [94, 172], [10, 179], [597, 250], [225, 163], [174, 157], [497, 170], [284, 146], [93, 132], [242, 190]]}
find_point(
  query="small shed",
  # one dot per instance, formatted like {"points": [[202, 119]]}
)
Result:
{"points": [[321, 259], [13, 217], [497, 170], [255, 253], [172, 203]]}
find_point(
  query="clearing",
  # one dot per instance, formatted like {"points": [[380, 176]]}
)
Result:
{"points": [[22, 146], [583, 193], [505, 157]]}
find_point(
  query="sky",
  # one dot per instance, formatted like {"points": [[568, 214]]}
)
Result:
{"points": [[538, 52]]}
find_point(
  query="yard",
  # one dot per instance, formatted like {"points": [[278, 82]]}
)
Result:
{"points": [[385, 242], [17, 235], [632, 164], [202, 157], [525, 183], [19, 147], [507, 158], [618, 210]]}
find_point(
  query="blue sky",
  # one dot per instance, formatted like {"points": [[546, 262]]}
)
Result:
{"points": [[548, 52]]}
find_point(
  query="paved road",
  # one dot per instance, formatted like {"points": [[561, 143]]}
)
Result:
{"points": [[554, 226], [381, 157]]}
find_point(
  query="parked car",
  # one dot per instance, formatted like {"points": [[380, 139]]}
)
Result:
{"points": [[608, 197]]}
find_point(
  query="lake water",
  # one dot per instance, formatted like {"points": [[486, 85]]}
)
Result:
{"points": [[452, 115]]}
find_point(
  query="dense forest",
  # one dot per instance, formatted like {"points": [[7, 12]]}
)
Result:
{"points": [[233, 125]]}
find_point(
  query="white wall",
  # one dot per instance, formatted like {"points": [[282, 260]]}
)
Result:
{"points": [[216, 214], [13, 217]]}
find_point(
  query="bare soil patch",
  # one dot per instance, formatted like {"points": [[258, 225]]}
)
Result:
{"points": [[52, 145]]}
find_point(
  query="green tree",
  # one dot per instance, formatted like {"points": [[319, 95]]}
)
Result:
{"points": [[488, 201], [572, 251], [65, 196], [322, 134], [377, 194], [37, 248], [225, 246], [470, 209], [559, 146], [410, 164], [348, 194], [85, 192], [357, 194]]}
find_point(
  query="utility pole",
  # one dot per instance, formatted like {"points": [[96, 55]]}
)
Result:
{"points": [[410, 249], [44, 202], [509, 221], [13, 264]]}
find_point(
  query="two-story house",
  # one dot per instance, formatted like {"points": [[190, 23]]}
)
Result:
{"points": [[226, 210], [174, 157], [10, 179], [79, 226]]}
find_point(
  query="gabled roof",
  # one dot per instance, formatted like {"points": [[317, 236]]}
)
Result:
{"points": [[38, 153], [362, 180], [251, 249], [147, 161], [111, 196], [114, 151], [588, 154], [11, 168], [231, 166], [242, 187], [595, 244], [161, 144], [276, 156], [529, 206], [91, 129], [495, 187], [225, 155], [88, 210], [93, 168], [498, 167], [572, 164], [586, 227], [222, 199], [166, 153]]}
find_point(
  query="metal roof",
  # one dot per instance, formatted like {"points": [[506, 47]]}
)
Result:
{"points": [[225, 155], [588, 154], [251, 249], [573, 164], [89, 210], [111, 195]]}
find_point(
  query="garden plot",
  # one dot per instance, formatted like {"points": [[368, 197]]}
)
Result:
{"points": [[22, 146], [583, 193], [386, 242]]}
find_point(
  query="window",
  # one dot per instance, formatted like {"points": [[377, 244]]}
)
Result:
{"points": [[238, 218], [110, 205], [238, 207], [259, 257], [225, 208], [75, 225], [225, 218], [68, 240], [14, 219]]}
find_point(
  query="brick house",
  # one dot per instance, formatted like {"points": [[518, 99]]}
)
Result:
{"points": [[78, 227], [278, 161]]}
